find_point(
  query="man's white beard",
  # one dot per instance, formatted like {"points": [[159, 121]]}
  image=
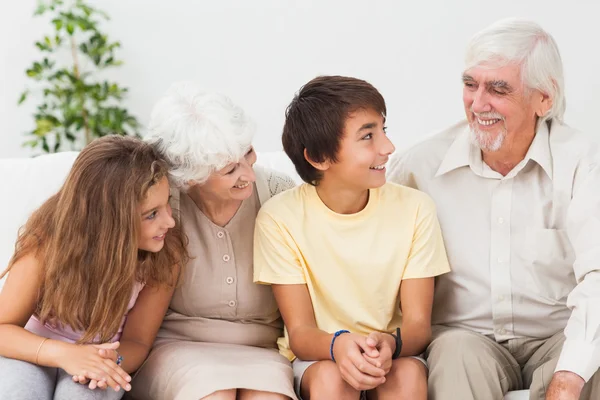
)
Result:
{"points": [[486, 141]]}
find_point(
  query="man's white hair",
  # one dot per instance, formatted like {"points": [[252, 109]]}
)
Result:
{"points": [[198, 132], [527, 44]]}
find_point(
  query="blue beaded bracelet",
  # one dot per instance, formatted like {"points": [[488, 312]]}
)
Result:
{"points": [[335, 335]]}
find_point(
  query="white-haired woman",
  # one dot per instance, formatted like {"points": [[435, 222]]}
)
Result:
{"points": [[218, 339]]}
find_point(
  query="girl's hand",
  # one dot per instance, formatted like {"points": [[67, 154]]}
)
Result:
{"points": [[85, 363], [106, 350]]}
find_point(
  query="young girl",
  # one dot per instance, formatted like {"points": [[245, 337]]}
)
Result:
{"points": [[91, 277]]}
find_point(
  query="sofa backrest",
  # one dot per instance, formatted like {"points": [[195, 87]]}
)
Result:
{"points": [[28, 182]]}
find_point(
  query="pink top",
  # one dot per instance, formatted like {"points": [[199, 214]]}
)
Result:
{"points": [[66, 334]]}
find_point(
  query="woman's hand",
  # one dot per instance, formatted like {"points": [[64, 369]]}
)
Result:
{"points": [[95, 364]]}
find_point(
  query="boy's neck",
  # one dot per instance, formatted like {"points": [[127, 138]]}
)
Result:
{"points": [[342, 199]]}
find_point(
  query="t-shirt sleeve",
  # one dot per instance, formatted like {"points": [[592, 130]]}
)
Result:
{"points": [[276, 256], [427, 255]]}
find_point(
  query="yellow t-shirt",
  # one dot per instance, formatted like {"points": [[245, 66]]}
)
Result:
{"points": [[352, 264]]}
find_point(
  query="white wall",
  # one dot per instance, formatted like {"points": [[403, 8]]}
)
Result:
{"points": [[261, 51]]}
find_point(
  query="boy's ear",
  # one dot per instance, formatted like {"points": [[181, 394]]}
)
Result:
{"points": [[322, 166]]}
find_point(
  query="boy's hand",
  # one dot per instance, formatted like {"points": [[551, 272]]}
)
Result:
{"points": [[385, 345], [355, 369]]}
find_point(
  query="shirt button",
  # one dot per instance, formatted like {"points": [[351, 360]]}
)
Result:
{"points": [[220, 234], [500, 260], [226, 258], [229, 280], [500, 220], [231, 303], [502, 331], [500, 298]]}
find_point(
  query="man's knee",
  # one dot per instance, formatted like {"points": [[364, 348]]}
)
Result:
{"points": [[458, 346], [323, 380]]}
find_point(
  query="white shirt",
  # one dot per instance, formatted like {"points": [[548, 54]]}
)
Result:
{"points": [[524, 248]]}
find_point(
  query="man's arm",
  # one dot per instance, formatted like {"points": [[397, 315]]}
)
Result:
{"points": [[580, 356]]}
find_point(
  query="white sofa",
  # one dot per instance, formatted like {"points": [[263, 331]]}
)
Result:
{"points": [[28, 182]]}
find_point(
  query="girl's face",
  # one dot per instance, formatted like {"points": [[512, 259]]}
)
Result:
{"points": [[156, 217]]}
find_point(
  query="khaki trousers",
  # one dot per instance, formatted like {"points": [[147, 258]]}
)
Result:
{"points": [[465, 365]]}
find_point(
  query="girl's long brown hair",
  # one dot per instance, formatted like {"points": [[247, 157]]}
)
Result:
{"points": [[86, 239]]}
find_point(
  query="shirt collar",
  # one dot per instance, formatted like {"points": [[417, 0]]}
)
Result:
{"points": [[462, 152], [539, 151], [458, 154]]}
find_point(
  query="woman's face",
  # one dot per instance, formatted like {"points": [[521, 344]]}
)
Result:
{"points": [[234, 181]]}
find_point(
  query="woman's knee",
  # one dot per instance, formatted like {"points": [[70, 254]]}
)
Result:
{"points": [[245, 394], [222, 395], [323, 380]]}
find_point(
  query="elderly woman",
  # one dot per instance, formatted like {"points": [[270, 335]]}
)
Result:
{"points": [[218, 339]]}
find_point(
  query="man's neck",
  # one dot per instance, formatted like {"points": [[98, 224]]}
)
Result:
{"points": [[510, 154], [342, 199]]}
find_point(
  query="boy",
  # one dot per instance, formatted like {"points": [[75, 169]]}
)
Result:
{"points": [[350, 257]]}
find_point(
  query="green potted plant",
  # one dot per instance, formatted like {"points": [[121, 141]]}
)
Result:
{"points": [[76, 105]]}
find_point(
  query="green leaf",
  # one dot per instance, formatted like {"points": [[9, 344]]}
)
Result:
{"points": [[31, 143], [70, 28], [23, 97], [31, 73], [45, 144], [41, 8], [58, 23], [42, 46]]}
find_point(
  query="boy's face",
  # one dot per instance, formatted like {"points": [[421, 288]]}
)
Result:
{"points": [[364, 151]]}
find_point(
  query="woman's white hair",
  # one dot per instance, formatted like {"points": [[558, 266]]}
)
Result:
{"points": [[527, 44], [198, 132]]}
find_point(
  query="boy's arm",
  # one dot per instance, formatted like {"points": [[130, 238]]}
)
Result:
{"points": [[308, 342], [416, 299]]}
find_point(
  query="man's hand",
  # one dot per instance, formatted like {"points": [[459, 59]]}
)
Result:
{"points": [[565, 385], [385, 344]]}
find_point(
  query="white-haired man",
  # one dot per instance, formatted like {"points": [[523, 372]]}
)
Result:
{"points": [[518, 198]]}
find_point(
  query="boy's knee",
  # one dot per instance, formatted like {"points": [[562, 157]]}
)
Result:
{"points": [[323, 380], [408, 369]]}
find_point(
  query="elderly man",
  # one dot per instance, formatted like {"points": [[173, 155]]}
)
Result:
{"points": [[518, 198]]}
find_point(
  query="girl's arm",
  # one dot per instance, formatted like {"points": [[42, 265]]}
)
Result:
{"points": [[416, 299], [143, 322], [18, 300]]}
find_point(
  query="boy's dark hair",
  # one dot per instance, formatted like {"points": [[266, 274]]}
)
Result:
{"points": [[315, 119]]}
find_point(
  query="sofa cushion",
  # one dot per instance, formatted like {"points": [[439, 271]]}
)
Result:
{"points": [[28, 182]]}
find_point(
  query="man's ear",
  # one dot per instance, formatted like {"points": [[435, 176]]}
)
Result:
{"points": [[321, 166], [543, 104]]}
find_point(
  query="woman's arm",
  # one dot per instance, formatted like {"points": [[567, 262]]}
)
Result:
{"points": [[143, 322], [416, 299]]}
